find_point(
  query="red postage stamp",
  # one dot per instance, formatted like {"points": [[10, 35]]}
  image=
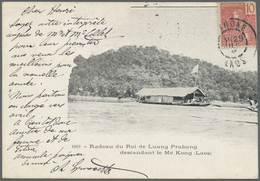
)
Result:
{"points": [[237, 24]]}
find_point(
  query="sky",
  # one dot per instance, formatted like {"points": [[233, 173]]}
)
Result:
{"points": [[192, 31]]}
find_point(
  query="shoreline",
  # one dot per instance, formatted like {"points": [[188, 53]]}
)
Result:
{"points": [[229, 104], [72, 98]]}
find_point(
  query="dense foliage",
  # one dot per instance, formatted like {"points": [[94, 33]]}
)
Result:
{"points": [[124, 72]]}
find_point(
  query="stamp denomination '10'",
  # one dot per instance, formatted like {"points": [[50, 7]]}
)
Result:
{"points": [[237, 24], [237, 31]]}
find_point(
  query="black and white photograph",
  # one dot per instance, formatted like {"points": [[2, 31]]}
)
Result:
{"points": [[130, 90]]}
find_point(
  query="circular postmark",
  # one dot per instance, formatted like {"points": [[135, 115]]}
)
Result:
{"points": [[233, 38], [233, 41]]}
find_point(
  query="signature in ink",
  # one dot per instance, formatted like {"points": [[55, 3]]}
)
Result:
{"points": [[93, 160], [98, 167]]}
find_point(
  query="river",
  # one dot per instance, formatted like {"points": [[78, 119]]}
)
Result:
{"points": [[230, 125]]}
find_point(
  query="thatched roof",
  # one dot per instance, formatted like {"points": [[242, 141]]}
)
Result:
{"points": [[176, 92]]}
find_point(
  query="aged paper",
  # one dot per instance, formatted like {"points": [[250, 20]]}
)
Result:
{"points": [[129, 90]]}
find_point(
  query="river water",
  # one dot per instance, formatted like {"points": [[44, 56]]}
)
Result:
{"points": [[231, 125]]}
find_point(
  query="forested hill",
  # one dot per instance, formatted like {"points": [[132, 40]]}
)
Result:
{"points": [[129, 69]]}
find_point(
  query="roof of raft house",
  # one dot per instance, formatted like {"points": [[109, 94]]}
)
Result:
{"points": [[175, 92]]}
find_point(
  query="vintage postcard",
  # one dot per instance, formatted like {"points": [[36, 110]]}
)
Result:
{"points": [[129, 90]]}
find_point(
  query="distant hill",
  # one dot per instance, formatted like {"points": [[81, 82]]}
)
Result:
{"points": [[127, 70]]}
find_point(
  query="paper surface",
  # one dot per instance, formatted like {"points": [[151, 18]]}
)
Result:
{"points": [[55, 125]]}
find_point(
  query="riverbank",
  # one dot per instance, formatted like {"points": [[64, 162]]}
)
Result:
{"points": [[124, 100], [229, 104], [73, 98]]}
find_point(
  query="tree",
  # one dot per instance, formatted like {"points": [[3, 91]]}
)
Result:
{"points": [[125, 71]]}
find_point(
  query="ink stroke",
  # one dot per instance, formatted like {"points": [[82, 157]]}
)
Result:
{"points": [[39, 45]]}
